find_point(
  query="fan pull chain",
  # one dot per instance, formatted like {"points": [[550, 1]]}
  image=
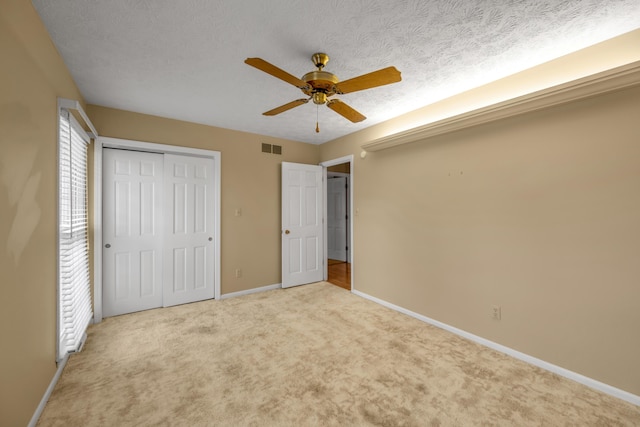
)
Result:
{"points": [[317, 126]]}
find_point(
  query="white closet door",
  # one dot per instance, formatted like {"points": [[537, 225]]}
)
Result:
{"points": [[188, 234], [132, 231]]}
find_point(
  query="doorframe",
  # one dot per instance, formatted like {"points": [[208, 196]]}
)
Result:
{"points": [[126, 144], [325, 165]]}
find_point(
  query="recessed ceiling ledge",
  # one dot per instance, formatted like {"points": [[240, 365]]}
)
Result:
{"points": [[611, 80]]}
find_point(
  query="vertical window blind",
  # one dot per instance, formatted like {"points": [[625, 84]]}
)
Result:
{"points": [[74, 287]]}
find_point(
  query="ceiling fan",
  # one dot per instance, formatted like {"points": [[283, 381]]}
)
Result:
{"points": [[320, 85]]}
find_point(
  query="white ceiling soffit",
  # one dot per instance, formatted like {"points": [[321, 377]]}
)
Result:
{"points": [[185, 59]]}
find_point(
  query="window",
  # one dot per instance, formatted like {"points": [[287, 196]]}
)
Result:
{"points": [[74, 287]]}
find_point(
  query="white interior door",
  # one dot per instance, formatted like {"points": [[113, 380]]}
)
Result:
{"points": [[189, 240], [132, 231], [302, 245], [337, 237]]}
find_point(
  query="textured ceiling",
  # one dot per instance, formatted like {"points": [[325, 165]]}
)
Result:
{"points": [[184, 59]]}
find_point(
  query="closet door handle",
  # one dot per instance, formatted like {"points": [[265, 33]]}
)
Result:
{"points": [[108, 245]]}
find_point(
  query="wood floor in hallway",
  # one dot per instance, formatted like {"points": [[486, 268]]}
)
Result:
{"points": [[340, 273]]}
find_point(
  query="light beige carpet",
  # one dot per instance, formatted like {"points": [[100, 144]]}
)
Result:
{"points": [[314, 355]]}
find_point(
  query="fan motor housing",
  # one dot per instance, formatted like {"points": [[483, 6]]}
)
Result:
{"points": [[320, 81]]}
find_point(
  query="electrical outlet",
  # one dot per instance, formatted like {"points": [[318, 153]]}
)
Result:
{"points": [[238, 273], [496, 312]]}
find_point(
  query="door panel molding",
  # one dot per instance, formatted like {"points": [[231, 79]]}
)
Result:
{"points": [[106, 142]]}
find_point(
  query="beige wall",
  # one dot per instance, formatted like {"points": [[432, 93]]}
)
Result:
{"points": [[250, 181], [539, 214], [32, 75]]}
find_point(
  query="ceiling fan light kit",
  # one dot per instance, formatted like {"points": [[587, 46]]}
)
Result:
{"points": [[320, 85]]}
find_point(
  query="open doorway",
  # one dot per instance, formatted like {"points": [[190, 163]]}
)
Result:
{"points": [[338, 222]]}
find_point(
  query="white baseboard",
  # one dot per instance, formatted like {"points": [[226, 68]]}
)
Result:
{"points": [[251, 291], [47, 393], [579, 378]]}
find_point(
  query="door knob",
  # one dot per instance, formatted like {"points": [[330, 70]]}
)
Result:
{"points": [[107, 245], [286, 232], [210, 239]]}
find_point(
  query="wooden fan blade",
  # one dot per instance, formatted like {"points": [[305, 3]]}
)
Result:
{"points": [[345, 111], [268, 68], [285, 107], [381, 77]]}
